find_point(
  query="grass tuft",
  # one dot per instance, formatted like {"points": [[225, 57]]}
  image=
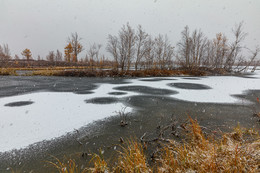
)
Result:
{"points": [[132, 159]]}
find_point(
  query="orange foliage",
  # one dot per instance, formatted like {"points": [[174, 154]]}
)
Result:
{"points": [[27, 54]]}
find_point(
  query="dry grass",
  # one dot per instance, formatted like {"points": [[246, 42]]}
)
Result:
{"points": [[7, 71], [88, 71], [238, 151], [132, 159], [69, 166], [100, 165]]}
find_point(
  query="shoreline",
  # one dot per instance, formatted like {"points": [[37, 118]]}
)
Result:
{"points": [[106, 72]]}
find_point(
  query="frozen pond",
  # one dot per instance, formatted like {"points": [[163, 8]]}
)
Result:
{"points": [[37, 116], [35, 109]]}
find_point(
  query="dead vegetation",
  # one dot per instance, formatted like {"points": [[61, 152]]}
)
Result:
{"points": [[7, 72], [238, 151]]}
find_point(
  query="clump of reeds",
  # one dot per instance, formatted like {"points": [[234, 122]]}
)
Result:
{"points": [[100, 165], [132, 159], [69, 166]]}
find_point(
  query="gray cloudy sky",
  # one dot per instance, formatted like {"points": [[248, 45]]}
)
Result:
{"points": [[44, 25]]}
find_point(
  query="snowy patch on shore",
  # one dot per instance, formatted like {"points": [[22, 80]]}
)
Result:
{"points": [[51, 115]]}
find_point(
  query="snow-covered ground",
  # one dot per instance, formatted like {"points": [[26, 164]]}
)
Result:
{"points": [[54, 114]]}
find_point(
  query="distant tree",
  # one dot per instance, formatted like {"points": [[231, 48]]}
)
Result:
{"points": [[26, 53], [39, 58], [122, 47], [5, 54], [149, 53], [141, 49], [163, 52], [58, 56], [68, 50], [51, 56], [93, 54], [235, 48], [127, 37], [112, 48], [216, 51], [16, 57], [74, 42], [191, 48]]}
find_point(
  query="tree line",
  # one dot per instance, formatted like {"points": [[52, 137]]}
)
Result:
{"points": [[134, 49]]}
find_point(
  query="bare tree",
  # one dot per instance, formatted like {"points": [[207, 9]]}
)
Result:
{"points": [[141, 49], [112, 48], [163, 52], [51, 56], [235, 47], [251, 61], [58, 56], [184, 48], [149, 53], [93, 54], [39, 58], [122, 47], [16, 57], [5, 54], [127, 43], [198, 47], [74, 40], [192, 48]]}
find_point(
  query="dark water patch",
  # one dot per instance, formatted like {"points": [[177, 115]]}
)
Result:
{"points": [[16, 85], [191, 78], [248, 77], [191, 86], [117, 93], [102, 100], [146, 90], [116, 82], [84, 92], [20, 103], [155, 79]]}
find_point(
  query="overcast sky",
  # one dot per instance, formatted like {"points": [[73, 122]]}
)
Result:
{"points": [[44, 25]]}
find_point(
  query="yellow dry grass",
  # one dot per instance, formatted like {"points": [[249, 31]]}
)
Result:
{"points": [[7, 71], [238, 151]]}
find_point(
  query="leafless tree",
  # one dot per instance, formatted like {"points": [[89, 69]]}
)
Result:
{"points": [[122, 47], [163, 52], [39, 58], [51, 56], [58, 56], [93, 54], [141, 49], [235, 48], [251, 61], [127, 42], [5, 54], [184, 48], [16, 57], [112, 48], [192, 48], [198, 47], [149, 53], [220, 48]]}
